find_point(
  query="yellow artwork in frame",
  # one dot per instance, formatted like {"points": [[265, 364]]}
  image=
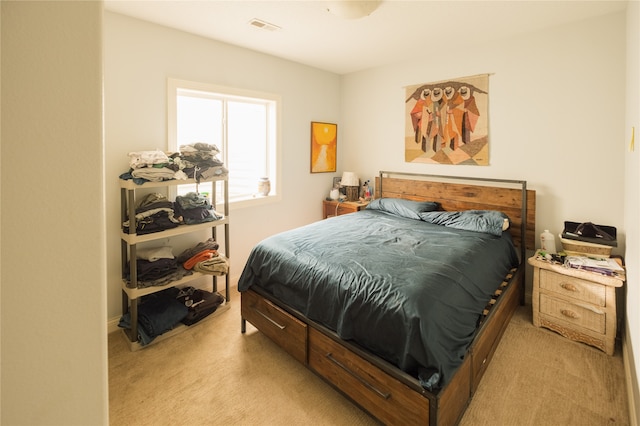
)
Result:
{"points": [[324, 147]]}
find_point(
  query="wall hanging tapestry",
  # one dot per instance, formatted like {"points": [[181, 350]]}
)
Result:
{"points": [[324, 145], [447, 123]]}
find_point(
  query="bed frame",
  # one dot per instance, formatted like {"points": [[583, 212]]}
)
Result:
{"points": [[383, 390]]}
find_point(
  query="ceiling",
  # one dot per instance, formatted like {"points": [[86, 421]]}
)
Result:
{"points": [[397, 31]]}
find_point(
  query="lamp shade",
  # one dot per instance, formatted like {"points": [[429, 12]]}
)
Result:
{"points": [[349, 179]]}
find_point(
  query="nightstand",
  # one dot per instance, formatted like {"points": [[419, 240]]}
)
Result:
{"points": [[335, 208], [579, 305]]}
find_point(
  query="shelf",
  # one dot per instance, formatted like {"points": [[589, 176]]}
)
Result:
{"points": [[131, 295], [180, 230], [130, 184], [135, 346], [134, 293]]}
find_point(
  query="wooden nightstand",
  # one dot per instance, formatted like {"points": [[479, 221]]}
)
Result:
{"points": [[580, 305], [335, 208]]}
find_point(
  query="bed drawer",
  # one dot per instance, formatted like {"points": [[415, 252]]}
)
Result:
{"points": [[281, 327], [370, 387], [582, 315], [573, 287]]}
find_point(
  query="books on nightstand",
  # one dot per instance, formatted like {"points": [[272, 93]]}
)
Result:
{"points": [[604, 266]]}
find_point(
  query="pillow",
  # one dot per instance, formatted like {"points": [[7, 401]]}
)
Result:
{"points": [[486, 221], [403, 208]]}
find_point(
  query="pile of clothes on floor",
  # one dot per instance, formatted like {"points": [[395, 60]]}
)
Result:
{"points": [[194, 161], [157, 266]]}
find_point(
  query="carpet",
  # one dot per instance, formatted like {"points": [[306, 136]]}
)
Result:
{"points": [[212, 374]]}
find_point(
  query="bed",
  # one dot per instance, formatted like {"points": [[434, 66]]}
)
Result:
{"points": [[399, 306]]}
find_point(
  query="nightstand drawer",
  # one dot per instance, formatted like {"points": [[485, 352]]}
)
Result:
{"points": [[589, 317], [573, 287], [335, 208]]}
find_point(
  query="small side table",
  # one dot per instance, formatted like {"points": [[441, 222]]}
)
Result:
{"points": [[336, 208], [579, 305]]}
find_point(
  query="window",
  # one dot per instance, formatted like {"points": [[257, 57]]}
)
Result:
{"points": [[242, 124]]}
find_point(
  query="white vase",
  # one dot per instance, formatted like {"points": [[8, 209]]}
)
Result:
{"points": [[264, 186]]}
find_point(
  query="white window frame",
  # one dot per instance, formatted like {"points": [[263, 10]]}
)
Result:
{"points": [[273, 154]]}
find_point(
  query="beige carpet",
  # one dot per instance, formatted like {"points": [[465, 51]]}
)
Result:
{"points": [[213, 375]]}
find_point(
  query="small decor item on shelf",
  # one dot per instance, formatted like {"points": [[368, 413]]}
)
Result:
{"points": [[351, 183], [365, 193], [334, 194], [548, 241], [264, 186]]}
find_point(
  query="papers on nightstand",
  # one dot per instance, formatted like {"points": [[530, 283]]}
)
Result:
{"points": [[604, 266]]}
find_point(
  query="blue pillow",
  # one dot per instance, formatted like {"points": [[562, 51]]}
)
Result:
{"points": [[486, 221], [403, 208]]}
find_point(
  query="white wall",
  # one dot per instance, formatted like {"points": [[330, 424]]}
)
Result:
{"points": [[632, 197], [140, 56], [556, 118], [54, 351]]}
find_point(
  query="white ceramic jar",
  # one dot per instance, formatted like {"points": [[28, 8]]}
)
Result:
{"points": [[548, 241], [264, 186]]}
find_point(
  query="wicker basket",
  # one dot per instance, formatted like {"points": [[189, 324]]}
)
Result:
{"points": [[582, 248]]}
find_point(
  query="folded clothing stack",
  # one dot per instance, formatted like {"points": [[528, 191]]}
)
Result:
{"points": [[162, 311], [196, 161], [201, 303], [193, 208]]}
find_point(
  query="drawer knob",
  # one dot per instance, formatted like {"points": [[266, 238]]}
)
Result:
{"points": [[569, 287], [569, 314]]}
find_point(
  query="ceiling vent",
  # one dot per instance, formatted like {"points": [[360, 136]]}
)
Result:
{"points": [[263, 25]]}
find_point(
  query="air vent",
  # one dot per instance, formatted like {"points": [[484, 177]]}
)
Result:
{"points": [[264, 25]]}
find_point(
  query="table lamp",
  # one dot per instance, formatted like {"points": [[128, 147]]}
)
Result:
{"points": [[351, 183]]}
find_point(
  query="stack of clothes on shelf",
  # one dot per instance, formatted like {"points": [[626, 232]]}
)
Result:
{"points": [[193, 208], [154, 213], [156, 266], [153, 166], [194, 161], [200, 161], [200, 303], [204, 258], [163, 311]]}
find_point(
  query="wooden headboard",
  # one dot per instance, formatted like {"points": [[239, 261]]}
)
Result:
{"points": [[456, 193]]}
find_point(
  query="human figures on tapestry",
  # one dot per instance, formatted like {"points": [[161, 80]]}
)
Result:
{"points": [[447, 122]]}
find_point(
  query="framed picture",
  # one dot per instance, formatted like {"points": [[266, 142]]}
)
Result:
{"points": [[446, 122], [324, 146]]}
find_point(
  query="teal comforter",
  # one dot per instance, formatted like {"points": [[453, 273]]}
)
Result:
{"points": [[407, 290]]}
